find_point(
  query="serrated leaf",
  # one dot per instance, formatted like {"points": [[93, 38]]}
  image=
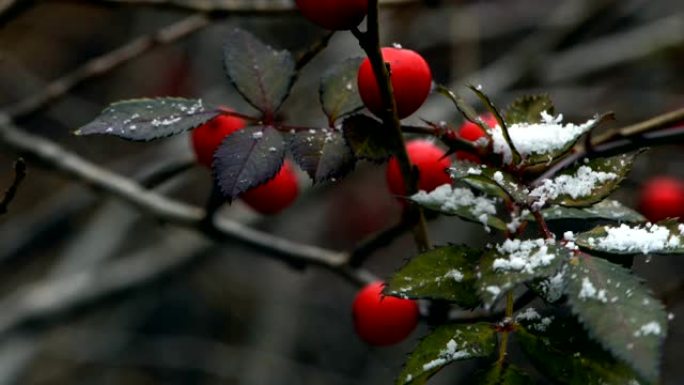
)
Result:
{"points": [[464, 108], [261, 74], [489, 180], [463, 203], [560, 349], [528, 109], [515, 262], [509, 375], [148, 119], [585, 184], [445, 273], [338, 91], [502, 124], [248, 158], [446, 344], [368, 138], [619, 312], [322, 153], [606, 209], [666, 237]]}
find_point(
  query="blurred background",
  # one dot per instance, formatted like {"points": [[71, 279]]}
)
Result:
{"points": [[222, 313]]}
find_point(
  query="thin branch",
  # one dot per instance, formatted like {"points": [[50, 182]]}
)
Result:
{"points": [[107, 62], [169, 210], [11, 192], [311, 52], [367, 247]]}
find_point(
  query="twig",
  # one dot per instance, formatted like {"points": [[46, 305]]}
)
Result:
{"points": [[10, 193], [169, 210], [106, 63], [377, 241]]}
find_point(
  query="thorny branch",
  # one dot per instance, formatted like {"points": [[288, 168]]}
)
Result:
{"points": [[11, 192]]}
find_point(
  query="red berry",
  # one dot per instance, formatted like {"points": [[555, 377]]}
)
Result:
{"points": [[207, 137], [661, 198], [276, 194], [381, 320], [431, 165], [411, 80], [334, 14], [472, 132]]}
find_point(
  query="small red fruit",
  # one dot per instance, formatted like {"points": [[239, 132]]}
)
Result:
{"points": [[207, 137], [661, 198], [334, 14], [472, 132], [411, 80], [431, 165], [381, 320], [276, 194]]}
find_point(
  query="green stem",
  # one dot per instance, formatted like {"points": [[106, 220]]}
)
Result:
{"points": [[370, 43], [503, 346]]}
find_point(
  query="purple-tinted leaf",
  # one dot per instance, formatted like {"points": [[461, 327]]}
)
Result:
{"points": [[368, 138], [338, 91], [248, 158], [148, 119], [322, 153], [262, 75]]}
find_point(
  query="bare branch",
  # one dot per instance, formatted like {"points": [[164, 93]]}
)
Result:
{"points": [[236, 6], [10, 193], [107, 62]]}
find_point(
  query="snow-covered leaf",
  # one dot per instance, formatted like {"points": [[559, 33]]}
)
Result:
{"points": [[665, 237], [445, 273], [619, 312], [338, 91], [248, 158], [507, 375], [528, 109], [517, 261], [261, 74], [489, 180], [322, 153], [541, 143], [606, 209], [462, 202], [584, 184], [368, 138], [560, 349], [147, 119], [446, 344]]}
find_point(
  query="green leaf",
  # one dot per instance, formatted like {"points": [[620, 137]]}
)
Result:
{"points": [[606, 209], [489, 180], [516, 261], [559, 348], [445, 273], [248, 158], [508, 375], [338, 91], [528, 109], [445, 345], [666, 237], [262, 75], [368, 138], [464, 108], [463, 203], [619, 312], [322, 153], [502, 124], [148, 119], [584, 184]]}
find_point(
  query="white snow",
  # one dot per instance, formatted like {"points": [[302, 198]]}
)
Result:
{"points": [[581, 184], [449, 200], [448, 354], [589, 291], [538, 138], [523, 256], [454, 274], [644, 239], [647, 329]]}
